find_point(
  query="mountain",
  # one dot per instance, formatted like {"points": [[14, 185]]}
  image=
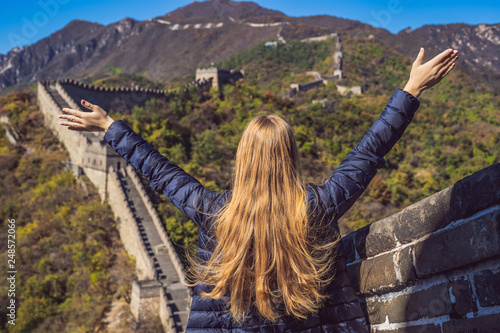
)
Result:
{"points": [[207, 32], [207, 11], [479, 46]]}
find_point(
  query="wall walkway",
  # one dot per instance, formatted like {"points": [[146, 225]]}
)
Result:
{"points": [[160, 290]]}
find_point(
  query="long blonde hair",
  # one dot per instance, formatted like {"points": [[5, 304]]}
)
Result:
{"points": [[267, 254]]}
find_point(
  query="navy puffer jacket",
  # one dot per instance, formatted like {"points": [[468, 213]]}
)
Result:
{"points": [[342, 312]]}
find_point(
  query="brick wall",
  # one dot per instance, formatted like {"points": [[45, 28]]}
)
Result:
{"points": [[434, 266], [130, 234], [121, 100]]}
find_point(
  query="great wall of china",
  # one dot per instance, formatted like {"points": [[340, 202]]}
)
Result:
{"points": [[432, 267], [160, 288], [323, 80], [294, 87]]}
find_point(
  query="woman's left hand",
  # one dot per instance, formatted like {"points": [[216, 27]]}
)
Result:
{"points": [[96, 121]]}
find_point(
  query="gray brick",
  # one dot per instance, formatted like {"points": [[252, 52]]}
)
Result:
{"points": [[374, 274], [470, 242], [375, 310], [381, 237], [414, 329], [462, 297], [475, 193], [432, 302], [481, 324], [423, 217], [487, 286], [403, 259]]}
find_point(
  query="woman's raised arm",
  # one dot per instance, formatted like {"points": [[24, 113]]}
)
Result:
{"points": [[351, 178]]}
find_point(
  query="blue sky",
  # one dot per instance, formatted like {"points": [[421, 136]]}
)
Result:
{"points": [[25, 22]]}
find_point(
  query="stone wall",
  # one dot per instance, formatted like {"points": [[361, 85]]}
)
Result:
{"points": [[72, 141], [320, 38], [434, 266], [118, 99], [218, 76], [88, 150], [128, 229], [355, 90], [166, 315], [92, 155], [157, 222], [323, 80]]}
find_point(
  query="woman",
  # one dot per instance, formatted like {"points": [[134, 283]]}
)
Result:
{"points": [[268, 253]]}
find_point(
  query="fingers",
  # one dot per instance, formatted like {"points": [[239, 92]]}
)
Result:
{"points": [[420, 57], [441, 57], [69, 117], [88, 105], [76, 113], [449, 61], [447, 69], [74, 126]]}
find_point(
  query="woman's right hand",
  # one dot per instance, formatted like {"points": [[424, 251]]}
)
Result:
{"points": [[96, 121], [424, 76]]}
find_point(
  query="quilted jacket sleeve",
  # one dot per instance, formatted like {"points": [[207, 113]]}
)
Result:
{"points": [[351, 178], [180, 188]]}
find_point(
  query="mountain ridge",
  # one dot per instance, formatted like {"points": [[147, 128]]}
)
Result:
{"points": [[210, 31]]}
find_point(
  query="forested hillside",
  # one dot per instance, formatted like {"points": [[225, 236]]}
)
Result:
{"points": [[455, 132], [69, 259]]}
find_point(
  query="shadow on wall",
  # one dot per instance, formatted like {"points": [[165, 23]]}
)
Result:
{"points": [[435, 266], [120, 100]]}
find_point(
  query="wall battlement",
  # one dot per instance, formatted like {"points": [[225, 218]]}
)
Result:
{"points": [[122, 99], [219, 76], [434, 266], [89, 87], [141, 230], [295, 88]]}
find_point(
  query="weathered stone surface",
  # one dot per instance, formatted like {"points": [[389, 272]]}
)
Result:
{"points": [[487, 286], [452, 298], [461, 297], [432, 302], [475, 193], [375, 310], [482, 324], [374, 274], [422, 218], [415, 329], [381, 237], [470, 242], [468, 196], [405, 271]]}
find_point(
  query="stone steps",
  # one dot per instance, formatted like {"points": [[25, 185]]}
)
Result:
{"points": [[177, 293], [57, 97]]}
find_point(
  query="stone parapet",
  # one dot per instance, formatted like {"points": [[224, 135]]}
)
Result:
{"points": [[435, 265]]}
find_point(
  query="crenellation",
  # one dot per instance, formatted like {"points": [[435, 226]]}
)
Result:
{"points": [[97, 160], [434, 271], [421, 266], [216, 77]]}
